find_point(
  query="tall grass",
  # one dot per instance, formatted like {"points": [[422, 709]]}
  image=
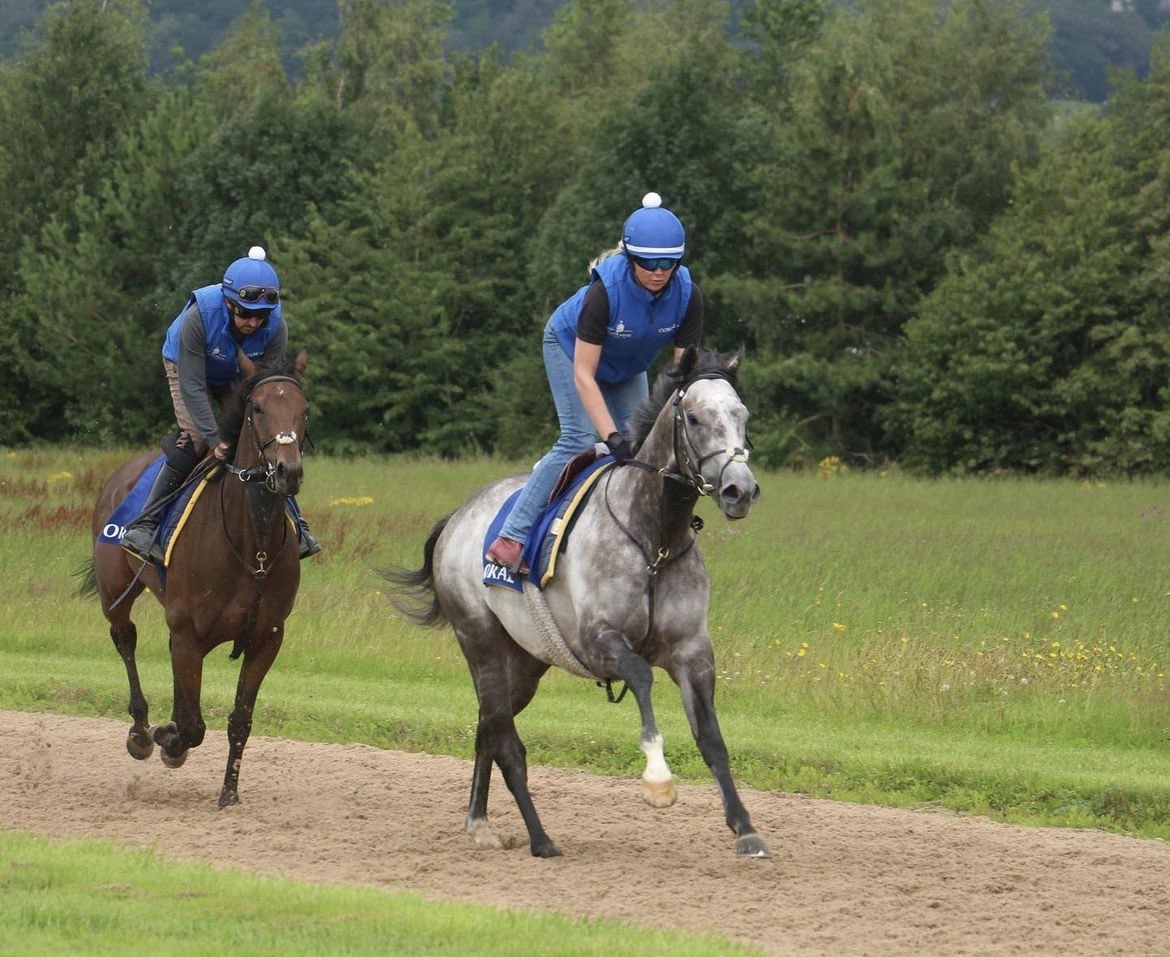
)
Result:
{"points": [[993, 646]]}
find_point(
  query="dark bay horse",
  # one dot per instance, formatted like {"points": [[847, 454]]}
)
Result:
{"points": [[630, 593], [233, 573]]}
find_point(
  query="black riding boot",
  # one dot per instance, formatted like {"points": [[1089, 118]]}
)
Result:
{"points": [[309, 546], [141, 536]]}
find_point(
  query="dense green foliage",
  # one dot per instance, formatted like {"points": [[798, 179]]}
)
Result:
{"points": [[925, 265]]}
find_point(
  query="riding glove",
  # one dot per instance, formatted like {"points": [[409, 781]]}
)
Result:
{"points": [[619, 447]]}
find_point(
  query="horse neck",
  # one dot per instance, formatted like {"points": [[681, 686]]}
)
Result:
{"points": [[251, 506], [661, 507]]}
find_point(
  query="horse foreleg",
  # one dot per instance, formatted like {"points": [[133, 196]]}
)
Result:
{"points": [[138, 741], [657, 781], [257, 660], [696, 682], [186, 728]]}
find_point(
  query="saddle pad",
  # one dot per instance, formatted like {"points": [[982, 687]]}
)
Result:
{"points": [[549, 533], [131, 506], [175, 514], [171, 518]]}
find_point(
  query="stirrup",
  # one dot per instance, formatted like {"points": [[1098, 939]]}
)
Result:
{"points": [[508, 554], [152, 554]]}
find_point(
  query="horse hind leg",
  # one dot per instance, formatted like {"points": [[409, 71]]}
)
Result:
{"points": [[505, 681], [139, 741]]}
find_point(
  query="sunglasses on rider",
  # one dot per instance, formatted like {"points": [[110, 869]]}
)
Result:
{"points": [[256, 293], [250, 315], [652, 265]]}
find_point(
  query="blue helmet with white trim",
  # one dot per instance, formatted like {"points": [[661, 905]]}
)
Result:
{"points": [[654, 231], [251, 282]]}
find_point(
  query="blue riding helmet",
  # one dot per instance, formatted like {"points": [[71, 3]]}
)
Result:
{"points": [[654, 231], [251, 283]]}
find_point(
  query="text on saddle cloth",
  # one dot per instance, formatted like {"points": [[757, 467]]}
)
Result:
{"points": [[550, 531]]}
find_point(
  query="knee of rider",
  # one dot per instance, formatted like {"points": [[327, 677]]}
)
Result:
{"points": [[183, 451]]}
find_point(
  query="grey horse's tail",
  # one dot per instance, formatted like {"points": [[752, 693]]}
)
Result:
{"points": [[415, 587]]}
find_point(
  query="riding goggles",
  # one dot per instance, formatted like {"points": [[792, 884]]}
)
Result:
{"points": [[652, 265], [256, 293]]}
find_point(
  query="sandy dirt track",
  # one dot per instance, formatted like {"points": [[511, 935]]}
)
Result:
{"points": [[845, 879]]}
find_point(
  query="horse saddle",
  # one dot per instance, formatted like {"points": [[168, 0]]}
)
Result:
{"points": [[550, 531], [173, 516]]}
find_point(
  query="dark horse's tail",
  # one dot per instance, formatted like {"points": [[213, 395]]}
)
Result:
{"points": [[419, 585], [86, 576]]}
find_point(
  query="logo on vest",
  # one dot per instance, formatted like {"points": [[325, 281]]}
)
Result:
{"points": [[620, 331]]}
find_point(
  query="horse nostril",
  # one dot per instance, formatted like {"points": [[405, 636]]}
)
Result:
{"points": [[756, 493]]}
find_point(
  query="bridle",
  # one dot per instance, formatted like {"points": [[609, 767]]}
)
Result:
{"points": [[265, 471], [691, 476], [684, 453]]}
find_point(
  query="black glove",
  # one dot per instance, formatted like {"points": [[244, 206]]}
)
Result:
{"points": [[618, 447]]}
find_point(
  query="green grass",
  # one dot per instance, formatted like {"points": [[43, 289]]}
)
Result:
{"points": [[61, 899], [993, 647]]}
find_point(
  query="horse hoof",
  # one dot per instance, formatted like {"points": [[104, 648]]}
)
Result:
{"points": [[659, 793], [483, 835], [173, 760], [139, 744], [228, 799], [545, 850], [751, 845]]}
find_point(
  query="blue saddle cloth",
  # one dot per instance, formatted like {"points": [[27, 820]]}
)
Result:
{"points": [[171, 516], [550, 531], [131, 506]]}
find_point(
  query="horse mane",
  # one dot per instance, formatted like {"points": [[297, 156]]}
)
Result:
{"points": [[235, 402], [695, 364]]}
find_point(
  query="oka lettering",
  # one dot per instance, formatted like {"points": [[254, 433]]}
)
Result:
{"points": [[494, 572]]}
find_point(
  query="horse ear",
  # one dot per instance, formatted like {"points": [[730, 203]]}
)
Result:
{"points": [[301, 363], [733, 361], [689, 360], [247, 365]]}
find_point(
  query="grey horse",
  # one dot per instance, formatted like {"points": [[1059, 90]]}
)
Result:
{"points": [[630, 592]]}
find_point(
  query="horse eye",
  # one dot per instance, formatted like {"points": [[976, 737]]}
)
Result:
{"points": [[692, 419]]}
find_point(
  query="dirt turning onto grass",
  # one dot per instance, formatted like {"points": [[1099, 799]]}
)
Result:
{"points": [[845, 879]]}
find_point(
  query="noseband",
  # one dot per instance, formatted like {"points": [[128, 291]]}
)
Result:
{"points": [[265, 471], [692, 470]]}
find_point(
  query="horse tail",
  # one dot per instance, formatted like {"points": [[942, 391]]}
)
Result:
{"points": [[86, 575], [419, 584]]}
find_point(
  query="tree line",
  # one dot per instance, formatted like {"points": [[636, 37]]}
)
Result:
{"points": [[927, 263]]}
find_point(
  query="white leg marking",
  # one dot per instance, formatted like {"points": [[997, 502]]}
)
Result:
{"points": [[657, 781]]}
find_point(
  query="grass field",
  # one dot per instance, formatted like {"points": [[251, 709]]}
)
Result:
{"points": [[993, 647]]}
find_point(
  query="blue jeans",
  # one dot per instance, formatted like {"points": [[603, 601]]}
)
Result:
{"points": [[577, 432]]}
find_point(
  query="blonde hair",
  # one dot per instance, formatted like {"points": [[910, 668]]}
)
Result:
{"points": [[604, 255]]}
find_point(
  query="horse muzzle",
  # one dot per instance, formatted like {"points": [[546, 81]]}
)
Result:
{"points": [[286, 476], [738, 491]]}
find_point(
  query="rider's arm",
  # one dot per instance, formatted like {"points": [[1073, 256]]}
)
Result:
{"points": [[192, 364], [591, 332]]}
